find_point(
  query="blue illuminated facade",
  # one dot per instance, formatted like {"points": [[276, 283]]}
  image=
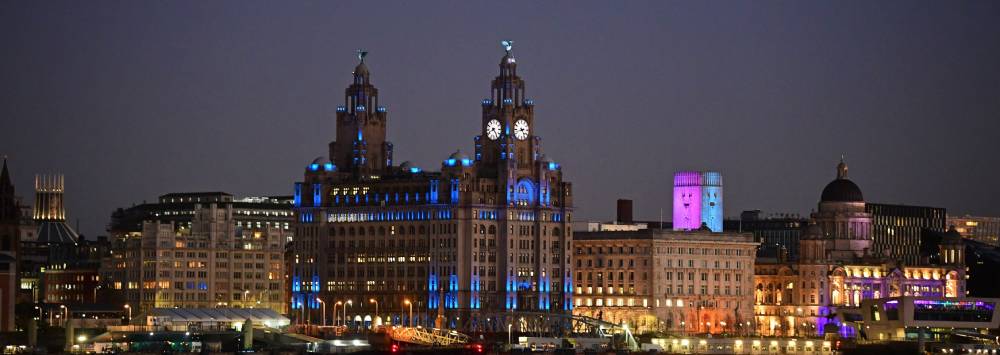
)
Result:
{"points": [[484, 237]]}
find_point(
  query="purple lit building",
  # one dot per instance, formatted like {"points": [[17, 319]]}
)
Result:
{"points": [[698, 200]]}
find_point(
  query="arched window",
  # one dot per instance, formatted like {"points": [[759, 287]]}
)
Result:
{"points": [[381, 230], [493, 230]]}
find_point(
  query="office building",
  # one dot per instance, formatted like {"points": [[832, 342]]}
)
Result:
{"points": [[214, 263], [985, 230], [178, 208], [469, 246], [778, 234], [663, 280], [904, 233]]}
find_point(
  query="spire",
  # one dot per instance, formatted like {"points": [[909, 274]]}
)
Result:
{"points": [[842, 169], [5, 175], [8, 204]]}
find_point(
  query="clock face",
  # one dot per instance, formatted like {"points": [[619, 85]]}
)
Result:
{"points": [[493, 129], [521, 130]]}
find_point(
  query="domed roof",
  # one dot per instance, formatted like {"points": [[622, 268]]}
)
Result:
{"points": [[842, 189], [458, 155], [320, 160], [951, 237], [406, 165]]}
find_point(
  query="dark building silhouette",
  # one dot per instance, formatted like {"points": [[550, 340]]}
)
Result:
{"points": [[778, 234], [10, 226], [900, 231]]}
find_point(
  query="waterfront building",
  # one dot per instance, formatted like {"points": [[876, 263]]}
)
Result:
{"points": [[698, 200], [663, 280], [905, 318], [484, 239], [213, 263], [837, 270]]}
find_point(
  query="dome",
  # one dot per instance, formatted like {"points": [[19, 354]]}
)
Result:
{"points": [[458, 155], [842, 190], [951, 237], [321, 163], [458, 159], [407, 166]]}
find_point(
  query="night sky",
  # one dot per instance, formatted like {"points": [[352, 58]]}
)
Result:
{"points": [[134, 99]]}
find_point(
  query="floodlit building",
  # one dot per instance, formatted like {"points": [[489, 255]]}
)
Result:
{"points": [[904, 318], [837, 270], [654, 279], [985, 230], [214, 263], [484, 238], [698, 200]]}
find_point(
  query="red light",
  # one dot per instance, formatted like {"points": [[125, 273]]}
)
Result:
{"points": [[395, 348]]}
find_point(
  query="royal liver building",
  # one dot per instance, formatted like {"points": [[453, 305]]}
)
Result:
{"points": [[484, 239]]}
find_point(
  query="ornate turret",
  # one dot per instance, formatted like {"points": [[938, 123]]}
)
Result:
{"points": [[360, 147]]}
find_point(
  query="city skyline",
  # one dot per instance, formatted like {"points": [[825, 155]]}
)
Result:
{"points": [[240, 109]]}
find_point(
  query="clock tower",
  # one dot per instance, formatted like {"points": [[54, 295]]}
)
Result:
{"points": [[507, 141]]}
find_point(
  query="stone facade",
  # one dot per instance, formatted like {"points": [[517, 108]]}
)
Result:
{"points": [[838, 269], [212, 264], [661, 280], [485, 237]]}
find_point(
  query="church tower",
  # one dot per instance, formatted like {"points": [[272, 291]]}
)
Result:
{"points": [[360, 147]]}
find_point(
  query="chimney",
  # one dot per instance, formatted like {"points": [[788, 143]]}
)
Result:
{"points": [[624, 211]]}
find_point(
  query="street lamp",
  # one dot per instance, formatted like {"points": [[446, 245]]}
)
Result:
{"points": [[349, 302], [129, 309], [323, 304], [407, 302], [335, 312], [372, 300]]}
